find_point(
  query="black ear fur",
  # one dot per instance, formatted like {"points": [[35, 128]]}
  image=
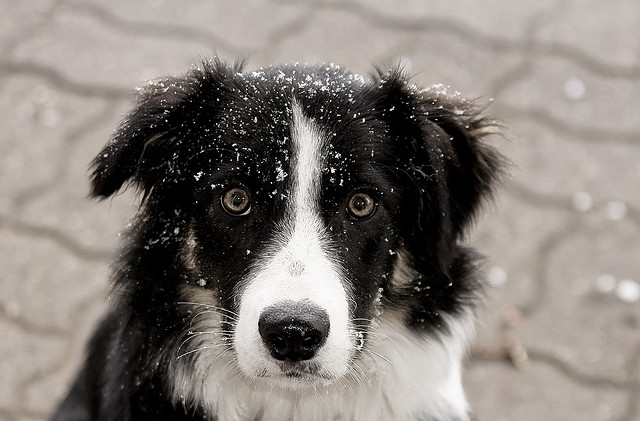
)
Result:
{"points": [[472, 168], [147, 128], [141, 150], [451, 167]]}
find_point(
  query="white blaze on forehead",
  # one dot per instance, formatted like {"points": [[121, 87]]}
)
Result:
{"points": [[304, 232], [299, 267], [304, 228], [307, 142]]}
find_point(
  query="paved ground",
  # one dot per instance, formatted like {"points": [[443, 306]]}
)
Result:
{"points": [[560, 337]]}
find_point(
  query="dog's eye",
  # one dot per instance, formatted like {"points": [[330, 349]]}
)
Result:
{"points": [[236, 201], [361, 206]]}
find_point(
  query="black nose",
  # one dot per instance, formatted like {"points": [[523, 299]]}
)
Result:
{"points": [[293, 331]]}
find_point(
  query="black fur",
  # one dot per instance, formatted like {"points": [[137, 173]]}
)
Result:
{"points": [[419, 152]]}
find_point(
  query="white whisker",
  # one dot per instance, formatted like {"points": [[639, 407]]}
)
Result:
{"points": [[202, 348]]}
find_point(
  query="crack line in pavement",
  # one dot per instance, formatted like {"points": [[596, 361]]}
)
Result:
{"points": [[55, 235], [573, 373], [61, 81], [539, 200], [559, 202], [28, 326], [474, 36], [26, 32], [545, 251], [62, 361], [153, 29], [71, 138], [578, 132]]}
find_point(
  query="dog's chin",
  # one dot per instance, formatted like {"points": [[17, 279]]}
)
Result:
{"points": [[294, 375], [295, 381]]}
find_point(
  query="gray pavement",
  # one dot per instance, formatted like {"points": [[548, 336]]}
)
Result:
{"points": [[559, 338]]}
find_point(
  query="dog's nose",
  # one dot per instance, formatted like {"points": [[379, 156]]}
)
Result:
{"points": [[293, 331]]}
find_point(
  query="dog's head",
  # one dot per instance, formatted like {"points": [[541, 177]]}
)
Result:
{"points": [[285, 210]]}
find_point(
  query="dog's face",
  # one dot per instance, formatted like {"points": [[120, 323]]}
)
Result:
{"points": [[286, 210]]}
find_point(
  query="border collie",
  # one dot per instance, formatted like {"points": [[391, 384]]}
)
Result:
{"points": [[297, 254]]}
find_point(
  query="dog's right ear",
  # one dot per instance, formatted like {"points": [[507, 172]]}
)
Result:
{"points": [[146, 146]]}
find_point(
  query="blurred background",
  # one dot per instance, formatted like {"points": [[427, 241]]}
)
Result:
{"points": [[559, 338]]}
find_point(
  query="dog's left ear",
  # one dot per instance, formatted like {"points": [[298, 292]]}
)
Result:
{"points": [[451, 166]]}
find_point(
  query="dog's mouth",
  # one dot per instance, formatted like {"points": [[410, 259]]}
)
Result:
{"points": [[296, 375], [306, 371]]}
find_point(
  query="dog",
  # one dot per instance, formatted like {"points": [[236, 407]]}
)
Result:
{"points": [[298, 252]]}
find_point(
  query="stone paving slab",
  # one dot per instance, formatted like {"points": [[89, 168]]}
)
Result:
{"points": [[559, 338]]}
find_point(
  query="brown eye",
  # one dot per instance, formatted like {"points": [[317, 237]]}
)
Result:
{"points": [[236, 202], [361, 206]]}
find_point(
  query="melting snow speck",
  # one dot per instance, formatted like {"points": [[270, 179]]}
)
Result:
{"points": [[606, 283], [628, 290], [615, 210], [574, 89], [582, 201], [280, 174], [12, 309], [497, 275], [202, 282], [360, 338]]}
